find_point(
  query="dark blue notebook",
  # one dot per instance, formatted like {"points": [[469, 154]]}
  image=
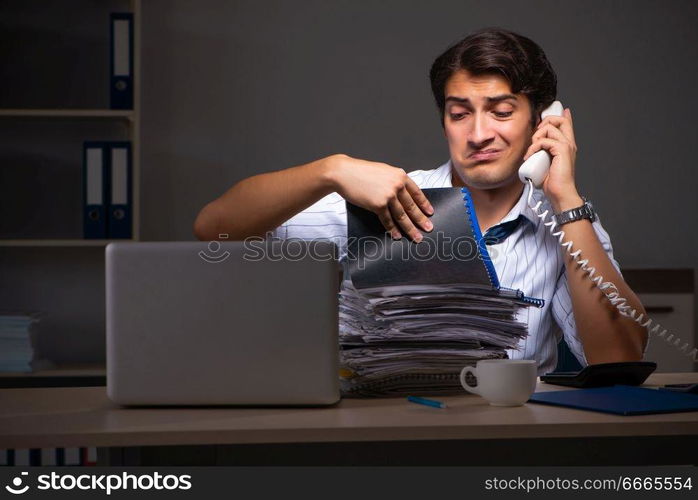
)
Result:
{"points": [[620, 400], [455, 252]]}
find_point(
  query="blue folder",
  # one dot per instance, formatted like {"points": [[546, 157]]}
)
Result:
{"points": [[121, 61], [95, 177], [620, 400], [119, 197]]}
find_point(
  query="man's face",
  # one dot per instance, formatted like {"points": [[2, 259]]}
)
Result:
{"points": [[488, 129]]}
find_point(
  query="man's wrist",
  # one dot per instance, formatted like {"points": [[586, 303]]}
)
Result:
{"points": [[567, 201], [585, 211], [329, 170]]}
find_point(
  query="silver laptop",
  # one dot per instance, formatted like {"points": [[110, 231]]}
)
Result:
{"points": [[231, 323]]}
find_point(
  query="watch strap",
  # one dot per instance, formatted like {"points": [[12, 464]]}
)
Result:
{"points": [[585, 211]]}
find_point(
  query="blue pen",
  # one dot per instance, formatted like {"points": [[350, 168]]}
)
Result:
{"points": [[426, 402]]}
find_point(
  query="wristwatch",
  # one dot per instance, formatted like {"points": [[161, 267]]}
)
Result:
{"points": [[586, 211]]}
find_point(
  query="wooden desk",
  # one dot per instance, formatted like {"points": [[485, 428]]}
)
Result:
{"points": [[355, 431]]}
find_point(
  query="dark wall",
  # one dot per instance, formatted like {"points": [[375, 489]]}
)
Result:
{"points": [[234, 88], [231, 89]]}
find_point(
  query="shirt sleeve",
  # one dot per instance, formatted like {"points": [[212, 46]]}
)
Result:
{"points": [[324, 220], [562, 300], [327, 218]]}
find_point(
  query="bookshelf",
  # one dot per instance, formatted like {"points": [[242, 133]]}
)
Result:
{"points": [[80, 375], [31, 27], [38, 242], [56, 96], [68, 113]]}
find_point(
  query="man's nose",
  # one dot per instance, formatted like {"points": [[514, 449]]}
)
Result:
{"points": [[481, 132]]}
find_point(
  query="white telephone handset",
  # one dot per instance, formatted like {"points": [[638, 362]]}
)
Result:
{"points": [[534, 171], [537, 166]]}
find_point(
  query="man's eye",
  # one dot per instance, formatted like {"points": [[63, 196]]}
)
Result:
{"points": [[457, 116], [502, 114]]}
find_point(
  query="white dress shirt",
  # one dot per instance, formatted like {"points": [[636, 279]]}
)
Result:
{"points": [[530, 260]]}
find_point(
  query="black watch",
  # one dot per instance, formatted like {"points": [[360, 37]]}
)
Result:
{"points": [[586, 211]]}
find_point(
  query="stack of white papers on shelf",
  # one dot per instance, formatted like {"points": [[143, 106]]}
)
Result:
{"points": [[16, 351]]}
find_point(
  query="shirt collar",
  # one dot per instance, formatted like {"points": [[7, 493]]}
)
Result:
{"points": [[520, 208], [523, 208], [444, 172]]}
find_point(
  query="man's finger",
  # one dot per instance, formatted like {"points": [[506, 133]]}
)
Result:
{"points": [[387, 220], [418, 196], [413, 211], [403, 220], [562, 123], [551, 132]]}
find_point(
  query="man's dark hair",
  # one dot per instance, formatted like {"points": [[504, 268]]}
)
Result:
{"points": [[498, 51]]}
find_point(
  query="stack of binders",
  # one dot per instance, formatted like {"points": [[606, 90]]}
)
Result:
{"points": [[412, 315], [107, 193], [107, 196]]}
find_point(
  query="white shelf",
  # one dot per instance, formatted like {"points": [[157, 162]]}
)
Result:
{"points": [[58, 243], [126, 114]]}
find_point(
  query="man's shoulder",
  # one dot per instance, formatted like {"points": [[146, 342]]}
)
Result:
{"points": [[433, 178]]}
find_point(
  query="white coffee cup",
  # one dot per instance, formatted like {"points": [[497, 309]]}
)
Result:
{"points": [[502, 382]]}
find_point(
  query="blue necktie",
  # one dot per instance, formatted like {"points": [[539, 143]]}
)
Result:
{"points": [[500, 232]]}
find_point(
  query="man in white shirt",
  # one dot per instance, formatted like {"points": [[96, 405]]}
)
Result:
{"points": [[490, 89]]}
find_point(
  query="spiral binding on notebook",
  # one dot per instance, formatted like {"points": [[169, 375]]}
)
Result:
{"points": [[533, 301], [482, 247]]}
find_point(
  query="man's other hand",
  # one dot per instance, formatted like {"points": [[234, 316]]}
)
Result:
{"points": [[386, 191]]}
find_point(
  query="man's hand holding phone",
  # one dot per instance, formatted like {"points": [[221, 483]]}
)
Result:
{"points": [[386, 191]]}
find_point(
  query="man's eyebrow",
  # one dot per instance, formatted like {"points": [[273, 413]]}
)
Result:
{"points": [[494, 99]]}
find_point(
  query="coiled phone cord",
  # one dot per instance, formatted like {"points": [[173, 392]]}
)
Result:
{"points": [[613, 294]]}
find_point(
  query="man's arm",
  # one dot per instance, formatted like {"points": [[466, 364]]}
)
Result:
{"points": [[606, 335], [260, 203]]}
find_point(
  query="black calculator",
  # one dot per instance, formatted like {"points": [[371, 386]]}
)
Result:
{"points": [[604, 374]]}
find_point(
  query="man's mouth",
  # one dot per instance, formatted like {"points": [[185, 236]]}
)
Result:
{"points": [[487, 154]]}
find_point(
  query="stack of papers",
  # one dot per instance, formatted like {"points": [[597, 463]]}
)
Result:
{"points": [[16, 351], [416, 339], [411, 316]]}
